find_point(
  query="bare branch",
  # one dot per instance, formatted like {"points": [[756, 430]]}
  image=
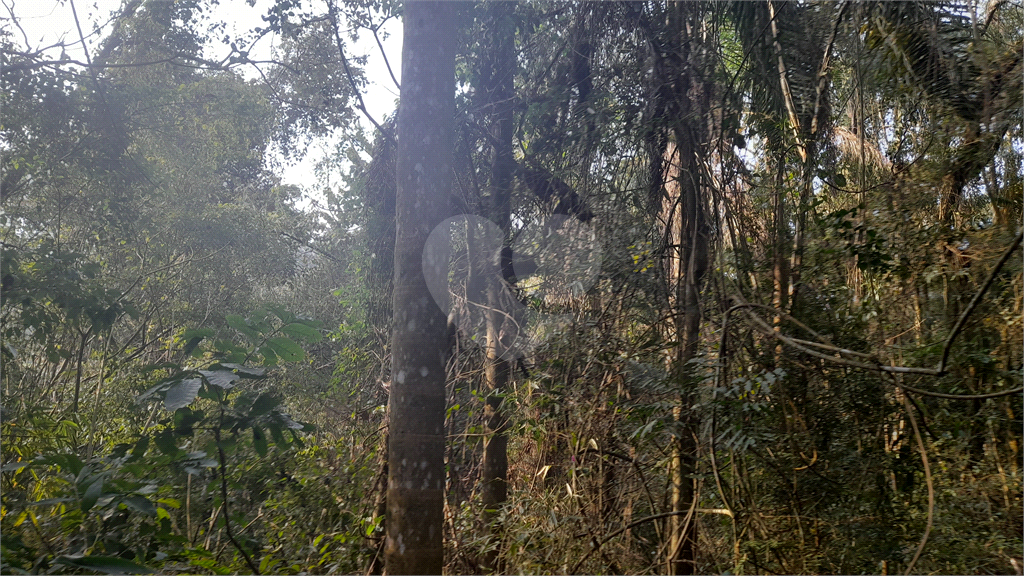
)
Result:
{"points": [[928, 482], [10, 10], [384, 55], [877, 366], [332, 11], [977, 298]]}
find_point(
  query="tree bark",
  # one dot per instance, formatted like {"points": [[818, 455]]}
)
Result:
{"points": [[416, 476], [686, 233], [498, 72]]}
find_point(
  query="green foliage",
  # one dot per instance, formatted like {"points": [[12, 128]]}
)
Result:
{"points": [[120, 503], [159, 280]]}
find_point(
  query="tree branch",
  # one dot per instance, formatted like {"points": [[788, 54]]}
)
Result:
{"points": [[384, 55], [977, 298], [224, 496], [877, 366], [645, 520], [332, 12], [928, 482]]}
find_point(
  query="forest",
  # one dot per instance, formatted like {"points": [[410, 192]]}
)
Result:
{"points": [[644, 287]]}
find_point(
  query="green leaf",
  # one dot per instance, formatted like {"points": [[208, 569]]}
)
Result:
{"points": [[839, 180], [302, 331], [197, 333], [140, 504], [152, 391], [259, 441], [263, 404], [192, 348], [269, 356], [165, 442], [172, 502], [14, 466], [92, 494], [103, 564], [224, 378], [182, 394], [278, 436], [185, 419], [243, 371], [193, 338], [238, 323], [285, 316], [67, 462], [286, 348], [119, 450]]}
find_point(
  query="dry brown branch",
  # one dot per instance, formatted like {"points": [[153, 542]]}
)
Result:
{"points": [[763, 327], [928, 482]]}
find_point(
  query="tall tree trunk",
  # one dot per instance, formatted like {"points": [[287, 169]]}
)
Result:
{"points": [[692, 264], [498, 71], [690, 240], [686, 232], [416, 476], [780, 266]]}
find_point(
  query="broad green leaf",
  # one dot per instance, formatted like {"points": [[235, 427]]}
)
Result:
{"points": [[195, 467], [67, 462], [224, 378], [280, 312], [286, 348], [103, 564], [152, 391], [192, 339], [14, 466], [287, 421], [275, 433], [269, 356], [172, 502], [165, 442], [197, 333], [119, 450], [259, 441], [182, 394], [192, 349], [92, 493], [238, 323], [244, 371], [263, 404], [140, 504], [302, 331]]}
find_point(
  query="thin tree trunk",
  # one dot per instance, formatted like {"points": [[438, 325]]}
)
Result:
{"points": [[692, 268], [498, 73], [689, 252], [415, 498]]}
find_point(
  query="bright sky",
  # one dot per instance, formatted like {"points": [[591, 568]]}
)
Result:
{"points": [[48, 22]]}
